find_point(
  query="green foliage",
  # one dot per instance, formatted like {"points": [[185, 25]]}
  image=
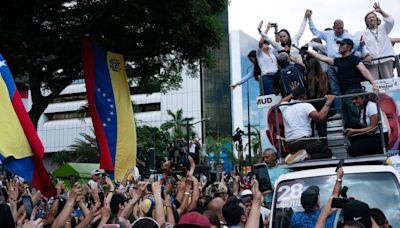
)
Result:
{"points": [[255, 144], [147, 138], [40, 40], [178, 125], [82, 151], [217, 145]]}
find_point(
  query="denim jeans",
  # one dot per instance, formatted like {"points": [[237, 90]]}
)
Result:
{"points": [[266, 84], [334, 84]]}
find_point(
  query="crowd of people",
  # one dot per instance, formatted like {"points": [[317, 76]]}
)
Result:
{"points": [[167, 200], [336, 66]]}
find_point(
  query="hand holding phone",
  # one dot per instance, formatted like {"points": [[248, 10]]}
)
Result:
{"points": [[262, 176], [340, 164], [28, 205], [339, 202]]}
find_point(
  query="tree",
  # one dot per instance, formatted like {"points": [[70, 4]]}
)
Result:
{"points": [[178, 124], [40, 40], [218, 145], [147, 138], [255, 144]]}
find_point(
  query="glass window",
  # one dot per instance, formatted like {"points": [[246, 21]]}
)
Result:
{"points": [[378, 190]]}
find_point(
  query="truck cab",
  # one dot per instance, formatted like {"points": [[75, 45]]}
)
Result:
{"points": [[376, 185]]}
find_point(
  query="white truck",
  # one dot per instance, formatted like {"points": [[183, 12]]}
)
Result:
{"points": [[377, 185]]}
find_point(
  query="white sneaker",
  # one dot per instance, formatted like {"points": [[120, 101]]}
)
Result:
{"points": [[299, 156]]}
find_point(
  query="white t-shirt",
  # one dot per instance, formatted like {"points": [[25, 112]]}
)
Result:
{"points": [[370, 110], [268, 64], [296, 120]]}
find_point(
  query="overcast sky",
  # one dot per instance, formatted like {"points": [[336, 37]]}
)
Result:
{"points": [[246, 14]]}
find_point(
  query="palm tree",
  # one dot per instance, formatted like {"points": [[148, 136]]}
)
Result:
{"points": [[255, 137], [178, 124]]}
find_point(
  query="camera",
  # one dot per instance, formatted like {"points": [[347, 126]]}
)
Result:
{"points": [[237, 136], [274, 25]]}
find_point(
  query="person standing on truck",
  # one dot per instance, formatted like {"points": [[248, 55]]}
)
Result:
{"points": [[312, 206], [351, 71], [297, 121], [378, 43], [274, 171]]}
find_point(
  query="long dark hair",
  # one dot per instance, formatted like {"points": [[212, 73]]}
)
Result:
{"points": [[317, 80], [289, 43], [257, 69]]}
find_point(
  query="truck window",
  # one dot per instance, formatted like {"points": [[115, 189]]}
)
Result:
{"points": [[378, 190]]}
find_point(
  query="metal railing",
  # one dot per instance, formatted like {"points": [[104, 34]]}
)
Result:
{"points": [[282, 139]]}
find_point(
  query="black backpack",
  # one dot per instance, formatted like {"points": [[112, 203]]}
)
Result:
{"points": [[288, 75]]}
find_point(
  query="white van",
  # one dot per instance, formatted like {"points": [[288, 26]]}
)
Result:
{"points": [[377, 185]]}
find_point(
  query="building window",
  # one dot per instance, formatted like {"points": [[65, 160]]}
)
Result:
{"points": [[67, 115], [147, 107]]}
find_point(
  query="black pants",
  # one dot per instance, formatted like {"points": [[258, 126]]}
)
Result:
{"points": [[366, 144], [317, 149]]}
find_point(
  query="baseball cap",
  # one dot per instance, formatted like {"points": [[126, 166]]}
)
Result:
{"points": [[219, 187], [346, 41], [193, 219], [95, 172], [309, 197], [356, 210], [246, 195]]}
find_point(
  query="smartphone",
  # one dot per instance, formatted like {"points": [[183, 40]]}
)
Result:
{"points": [[28, 205], [6, 216], [262, 176], [340, 164], [339, 202]]}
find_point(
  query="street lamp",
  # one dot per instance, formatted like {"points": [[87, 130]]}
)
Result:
{"points": [[248, 114]]}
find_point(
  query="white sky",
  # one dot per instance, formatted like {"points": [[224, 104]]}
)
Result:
{"points": [[246, 14]]}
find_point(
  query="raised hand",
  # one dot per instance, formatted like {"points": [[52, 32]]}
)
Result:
{"points": [[377, 7], [308, 14], [260, 26]]}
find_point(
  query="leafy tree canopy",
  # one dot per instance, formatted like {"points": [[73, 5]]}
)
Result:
{"points": [[40, 39]]}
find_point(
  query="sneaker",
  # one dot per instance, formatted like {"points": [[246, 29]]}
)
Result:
{"points": [[299, 156]]}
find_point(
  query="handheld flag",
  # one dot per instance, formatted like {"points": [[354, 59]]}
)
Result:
{"points": [[21, 150], [110, 108]]}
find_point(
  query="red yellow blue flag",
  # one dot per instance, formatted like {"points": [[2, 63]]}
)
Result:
{"points": [[110, 108], [21, 150]]}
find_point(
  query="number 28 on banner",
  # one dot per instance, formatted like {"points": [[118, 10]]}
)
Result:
{"points": [[289, 195]]}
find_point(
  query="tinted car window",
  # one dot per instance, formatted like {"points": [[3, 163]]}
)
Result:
{"points": [[378, 190]]}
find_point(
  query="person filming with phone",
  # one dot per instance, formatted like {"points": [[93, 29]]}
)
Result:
{"points": [[310, 201]]}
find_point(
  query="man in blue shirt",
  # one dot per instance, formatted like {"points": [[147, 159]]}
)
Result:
{"points": [[311, 204], [274, 171], [331, 37]]}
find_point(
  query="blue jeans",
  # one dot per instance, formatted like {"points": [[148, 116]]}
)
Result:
{"points": [[266, 84], [334, 84]]}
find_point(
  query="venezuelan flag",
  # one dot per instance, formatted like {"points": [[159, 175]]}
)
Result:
{"points": [[110, 108], [21, 150]]}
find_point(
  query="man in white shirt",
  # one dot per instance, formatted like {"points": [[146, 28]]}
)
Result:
{"points": [[297, 118], [94, 182]]}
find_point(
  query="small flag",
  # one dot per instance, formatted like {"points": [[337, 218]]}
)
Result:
{"points": [[21, 150], [110, 108]]}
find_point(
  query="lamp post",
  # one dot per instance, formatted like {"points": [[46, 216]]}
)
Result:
{"points": [[248, 114]]}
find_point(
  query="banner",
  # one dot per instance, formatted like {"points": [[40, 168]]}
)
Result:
{"points": [[110, 108], [21, 150]]}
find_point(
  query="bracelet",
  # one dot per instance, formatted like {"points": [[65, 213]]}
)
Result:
{"points": [[168, 205], [70, 204], [339, 179], [188, 194]]}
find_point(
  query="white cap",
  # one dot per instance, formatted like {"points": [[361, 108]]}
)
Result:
{"points": [[246, 192], [95, 172]]}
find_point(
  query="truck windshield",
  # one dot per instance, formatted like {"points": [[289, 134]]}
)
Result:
{"points": [[378, 190]]}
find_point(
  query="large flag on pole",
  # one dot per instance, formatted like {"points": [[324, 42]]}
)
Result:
{"points": [[21, 150], [110, 108]]}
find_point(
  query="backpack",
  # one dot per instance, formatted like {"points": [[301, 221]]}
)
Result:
{"points": [[288, 75]]}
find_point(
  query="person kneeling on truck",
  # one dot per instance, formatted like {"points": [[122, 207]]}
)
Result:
{"points": [[297, 121]]}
